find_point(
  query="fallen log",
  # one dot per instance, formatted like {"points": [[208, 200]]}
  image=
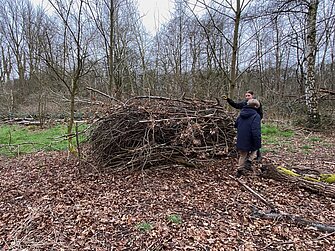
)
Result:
{"points": [[28, 123], [270, 171], [292, 219]]}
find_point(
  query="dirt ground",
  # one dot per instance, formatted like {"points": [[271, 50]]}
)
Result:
{"points": [[49, 201]]}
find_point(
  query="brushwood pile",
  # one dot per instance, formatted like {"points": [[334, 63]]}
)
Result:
{"points": [[146, 132]]}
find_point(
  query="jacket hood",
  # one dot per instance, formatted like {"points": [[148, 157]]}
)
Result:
{"points": [[247, 112]]}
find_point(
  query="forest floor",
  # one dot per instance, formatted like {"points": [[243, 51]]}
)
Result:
{"points": [[51, 202]]}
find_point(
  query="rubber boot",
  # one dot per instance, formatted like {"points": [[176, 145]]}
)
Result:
{"points": [[259, 156], [248, 165]]}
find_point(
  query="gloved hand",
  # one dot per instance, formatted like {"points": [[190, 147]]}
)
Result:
{"points": [[224, 97]]}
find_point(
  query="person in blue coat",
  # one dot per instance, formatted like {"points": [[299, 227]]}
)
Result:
{"points": [[249, 139], [239, 105]]}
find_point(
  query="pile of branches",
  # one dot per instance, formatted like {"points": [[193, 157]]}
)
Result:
{"points": [[155, 131]]}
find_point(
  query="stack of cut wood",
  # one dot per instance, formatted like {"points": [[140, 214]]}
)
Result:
{"points": [[155, 131]]}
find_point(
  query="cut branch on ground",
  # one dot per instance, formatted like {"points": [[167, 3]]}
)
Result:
{"points": [[298, 220]]}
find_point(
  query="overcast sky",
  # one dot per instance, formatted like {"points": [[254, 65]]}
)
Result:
{"points": [[154, 12]]}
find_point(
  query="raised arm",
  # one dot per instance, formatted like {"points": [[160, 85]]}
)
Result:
{"points": [[236, 105]]}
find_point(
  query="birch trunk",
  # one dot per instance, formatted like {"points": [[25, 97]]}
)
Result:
{"points": [[310, 90]]}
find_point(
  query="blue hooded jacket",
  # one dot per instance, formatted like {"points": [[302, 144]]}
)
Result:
{"points": [[248, 126]]}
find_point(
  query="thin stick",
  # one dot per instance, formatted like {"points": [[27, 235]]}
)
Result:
{"points": [[325, 236], [270, 205], [104, 94]]}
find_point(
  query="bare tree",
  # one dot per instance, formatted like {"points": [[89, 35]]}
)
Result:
{"points": [[12, 15], [231, 11], [306, 13], [172, 43], [67, 51], [35, 25], [121, 34]]}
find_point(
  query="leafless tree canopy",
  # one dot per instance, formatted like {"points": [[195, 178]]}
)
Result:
{"points": [[283, 50]]}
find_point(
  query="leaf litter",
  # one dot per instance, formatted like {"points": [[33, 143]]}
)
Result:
{"points": [[50, 201]]}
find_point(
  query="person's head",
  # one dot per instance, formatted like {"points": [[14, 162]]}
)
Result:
{"points": [[253, 103], [249, 95]]}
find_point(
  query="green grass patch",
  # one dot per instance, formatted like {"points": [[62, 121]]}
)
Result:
{"points": [[144, 226], [314, 139], [274, 136], [306, 147], [15, 139], [175, 218], [274, 131], [269, 130]]}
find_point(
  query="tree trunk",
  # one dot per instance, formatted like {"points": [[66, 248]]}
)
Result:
{"points": [[111, 51], [233, 66], [74, 87], [310, 90]]}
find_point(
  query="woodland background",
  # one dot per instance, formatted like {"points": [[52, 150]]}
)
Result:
{"points": [[75, 58], [55, 61]]}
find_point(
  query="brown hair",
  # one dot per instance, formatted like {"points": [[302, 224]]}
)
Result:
{"points": [[250, 91]]}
